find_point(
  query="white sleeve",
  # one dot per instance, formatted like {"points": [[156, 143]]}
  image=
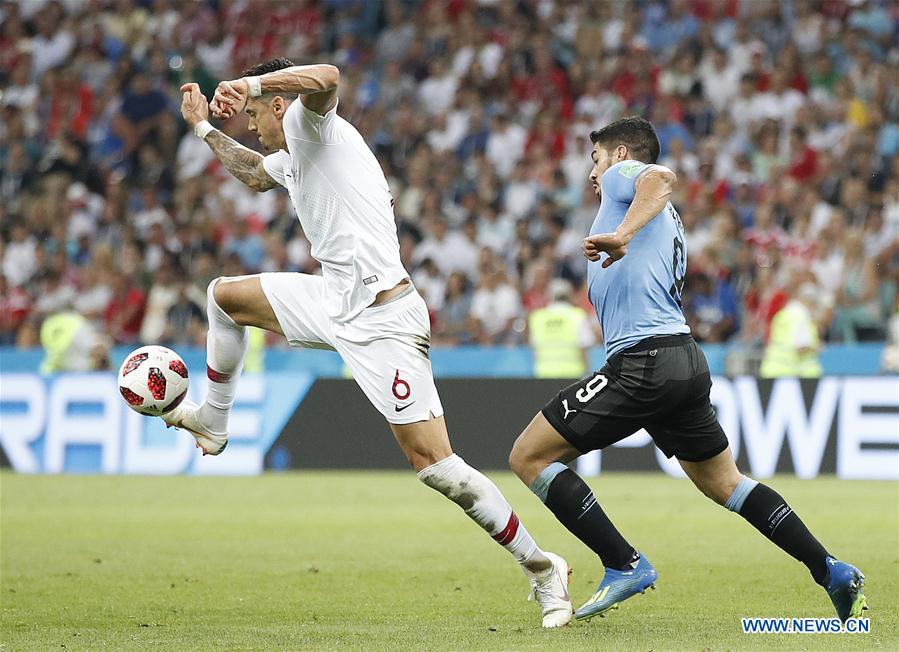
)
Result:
{"points": [[275, 163], [301, 123]]}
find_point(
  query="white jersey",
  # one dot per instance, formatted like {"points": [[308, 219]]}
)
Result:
{"points": [[343, 201]]}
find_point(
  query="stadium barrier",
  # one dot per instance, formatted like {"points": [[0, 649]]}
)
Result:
{"points": [[77, 423], [488, 362]]}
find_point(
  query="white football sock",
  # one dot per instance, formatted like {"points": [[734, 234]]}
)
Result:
{"points": [[226, 346], [485, 505]]}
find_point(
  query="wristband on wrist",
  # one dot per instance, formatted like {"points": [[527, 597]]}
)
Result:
{"points": [[202, 129], [255, 85]]}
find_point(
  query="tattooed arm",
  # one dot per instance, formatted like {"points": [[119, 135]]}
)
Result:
{"points": [[242, 162]]}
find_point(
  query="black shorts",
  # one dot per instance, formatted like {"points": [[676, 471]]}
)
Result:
{"points": [[661, 384]]}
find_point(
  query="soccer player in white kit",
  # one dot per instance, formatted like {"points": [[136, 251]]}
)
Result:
{"points": [[363, 305]]}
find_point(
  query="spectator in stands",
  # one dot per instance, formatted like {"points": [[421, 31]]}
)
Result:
{"points": [[94, 292], [162, 297], [560, 335], [250, 247], [495, 307], [19, 255], [72, 343], [794, 345], [430, 283], [537, 293], [56, 295], [125, 311], [142, 108], [710, 308], [452, 322], [767, 161], [53, 42], [857, 311], [668, 128], [185, 322], [804, 162], [15, 304], [450, 250]]}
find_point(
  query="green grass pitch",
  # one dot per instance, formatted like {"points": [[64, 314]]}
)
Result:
{"points": [[367, 561]]}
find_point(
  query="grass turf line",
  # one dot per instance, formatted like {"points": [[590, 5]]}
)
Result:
{"points": [[355, 560]]}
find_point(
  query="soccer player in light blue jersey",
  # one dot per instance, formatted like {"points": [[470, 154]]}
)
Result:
{"points": [[655, 378]]}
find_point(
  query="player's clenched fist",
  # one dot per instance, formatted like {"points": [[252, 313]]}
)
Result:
{"points": [[193, 105], [611, 243], [230, 98]]}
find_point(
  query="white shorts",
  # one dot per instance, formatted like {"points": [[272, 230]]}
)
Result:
{"points": [[385, 346]]}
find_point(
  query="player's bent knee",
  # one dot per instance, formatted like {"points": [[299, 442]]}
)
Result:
{"points": [[243, 300], [705, 487], [422, 459], [526, 463], [518, 460], [513, 463], [725, 484], [724, 488], [539, 446], [719, 489], [714, 493], [424, 443], [740, 492], [221, 293]]}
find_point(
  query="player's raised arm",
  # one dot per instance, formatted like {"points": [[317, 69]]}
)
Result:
{"points": [[315, 84], [242, 162], [652, 191]]}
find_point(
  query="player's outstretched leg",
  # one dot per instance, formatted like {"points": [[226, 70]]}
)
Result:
{"points": [[767, 511], [427, 447], [568, 497], [232, 304]]}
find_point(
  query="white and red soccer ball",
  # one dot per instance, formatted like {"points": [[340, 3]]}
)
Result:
{"points": [[153, 380]]}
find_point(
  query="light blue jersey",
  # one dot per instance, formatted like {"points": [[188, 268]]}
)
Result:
{"points": [[638, 296]]}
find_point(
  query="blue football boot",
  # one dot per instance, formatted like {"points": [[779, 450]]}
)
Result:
{"points": [[844, 586], [616, 587]]}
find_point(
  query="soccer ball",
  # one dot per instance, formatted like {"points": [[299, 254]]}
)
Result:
{"points": [[153, 380]]}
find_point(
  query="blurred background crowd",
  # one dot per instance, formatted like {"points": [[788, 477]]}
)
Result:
{"points": [[779, 117]]}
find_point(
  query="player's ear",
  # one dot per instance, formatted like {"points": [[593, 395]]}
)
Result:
{"points": [[279, 106], [620, 153]]}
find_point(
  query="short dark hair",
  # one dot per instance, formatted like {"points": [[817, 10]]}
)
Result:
{"points": [[267, 66], [634, 132], [271, 66]]}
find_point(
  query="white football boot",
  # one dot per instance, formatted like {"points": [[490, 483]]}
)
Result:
{"points": [[550, 589], [185, 416]]}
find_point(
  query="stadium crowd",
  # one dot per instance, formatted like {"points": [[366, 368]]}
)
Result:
{"points": [[779, 117]]}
